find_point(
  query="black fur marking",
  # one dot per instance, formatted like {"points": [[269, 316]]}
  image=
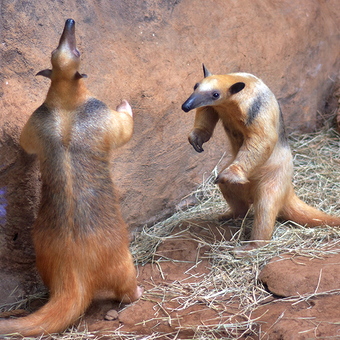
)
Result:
{"points": [[254, 110], [88, 122], [91, 107], [282, 132], [42, 111], [237, 87]]}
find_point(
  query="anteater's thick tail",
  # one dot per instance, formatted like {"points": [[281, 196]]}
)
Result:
{"points": [[60, 312], [301, 213]]}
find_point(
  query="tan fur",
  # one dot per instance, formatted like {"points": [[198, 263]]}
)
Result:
{"points": [[261, 169], [81, 241]]}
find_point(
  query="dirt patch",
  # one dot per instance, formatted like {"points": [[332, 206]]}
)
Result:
{"points": [[181, 302], [182, 263], [313, 319], [168, 306]]}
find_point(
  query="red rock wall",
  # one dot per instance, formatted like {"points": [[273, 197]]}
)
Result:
{"points": [[150, 52]]}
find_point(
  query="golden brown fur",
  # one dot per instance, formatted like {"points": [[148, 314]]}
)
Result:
{"points": [[261, 169], [81, 241]]}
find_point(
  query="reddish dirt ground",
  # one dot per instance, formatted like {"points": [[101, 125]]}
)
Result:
{"points": [[277, 318], [177, 261], [183, 260]]}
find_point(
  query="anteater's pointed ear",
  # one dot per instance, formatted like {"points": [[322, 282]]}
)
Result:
{"points": [[206, 72], [237, 87], [79, 76], [45, 73]]}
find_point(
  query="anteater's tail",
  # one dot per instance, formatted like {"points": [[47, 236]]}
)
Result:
{"points": [[61, 311], [301, 213]]}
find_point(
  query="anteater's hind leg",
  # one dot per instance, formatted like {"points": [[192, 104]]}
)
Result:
{"points": [[122, 280], [238, 199], [269, 197]]}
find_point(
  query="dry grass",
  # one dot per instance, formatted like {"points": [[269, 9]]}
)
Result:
{"points": [[233, 280]]}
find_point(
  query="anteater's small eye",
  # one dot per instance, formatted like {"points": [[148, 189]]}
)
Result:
{"points": [[216, 95], [196, 86]]}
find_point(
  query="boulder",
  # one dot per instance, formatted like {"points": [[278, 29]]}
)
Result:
{"points": [[289, 275]]}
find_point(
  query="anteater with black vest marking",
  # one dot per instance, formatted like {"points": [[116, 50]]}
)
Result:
{"points": [[261, 169], [80, 239]]}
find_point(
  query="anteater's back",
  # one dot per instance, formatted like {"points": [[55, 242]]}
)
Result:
{"points": [[77, 190], [80, 239]]}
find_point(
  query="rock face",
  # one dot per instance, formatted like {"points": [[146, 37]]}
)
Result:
{"points": [[150, 52]]}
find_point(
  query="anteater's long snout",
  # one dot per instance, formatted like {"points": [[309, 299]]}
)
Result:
{"points": [[69, 35], [189, 103], [196, 100]]}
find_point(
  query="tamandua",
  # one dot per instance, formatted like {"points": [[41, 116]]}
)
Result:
{"points": [[80, 238], [261, 169]]}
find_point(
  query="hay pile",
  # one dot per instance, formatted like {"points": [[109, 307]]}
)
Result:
{"points": [[234, 281], [316, 181]]}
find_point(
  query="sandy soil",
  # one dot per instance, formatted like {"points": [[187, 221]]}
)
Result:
{"points": [[303, 303], [182, 261]]}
